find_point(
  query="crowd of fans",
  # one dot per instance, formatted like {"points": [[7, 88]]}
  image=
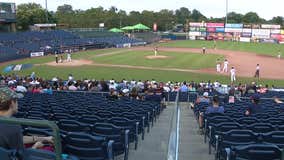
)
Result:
{"points": [[35, 84]]}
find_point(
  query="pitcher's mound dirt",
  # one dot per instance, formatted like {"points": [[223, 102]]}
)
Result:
{"points": [[157, 57], [80, 62]]}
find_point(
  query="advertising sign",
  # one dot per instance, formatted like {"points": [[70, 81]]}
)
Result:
{"points": [[245, 39], [246, 34], [211, 29], [246, 30], [247, 26], [221, 30], [270, 26], [233, 25], [214, 25], [261, 32], [282, 31], [233, 30], [36, 54], [194, 33], [197, 24]]}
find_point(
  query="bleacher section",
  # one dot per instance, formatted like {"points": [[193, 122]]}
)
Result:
{"points": [[91, 125], [22, 44], [236, 136]]}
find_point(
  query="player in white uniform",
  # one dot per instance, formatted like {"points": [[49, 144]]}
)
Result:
{"points": [[257, 69], [69, 57], [218, 66], [156, 51], [279, 55], [233, 74], [225, 67]]}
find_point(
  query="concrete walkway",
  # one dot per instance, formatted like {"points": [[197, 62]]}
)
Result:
{"points": [[155, 144], [191, 145]]}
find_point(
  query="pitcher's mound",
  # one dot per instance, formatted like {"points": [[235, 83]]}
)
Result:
{"points": [[157, 57], [80, 62]]}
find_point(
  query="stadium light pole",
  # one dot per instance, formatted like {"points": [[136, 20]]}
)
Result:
{"points": [[226, 12], [46, 11]]}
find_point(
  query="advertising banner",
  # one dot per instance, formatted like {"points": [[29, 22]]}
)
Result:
{"points": [[261, 32], [215, 25], [275, 31], [270, 26], [193, 29], [202, 29], [197, 24], [255, 26], [245, 39], [194, 33], [36, 54], [246, 30], [155, 27], [244, 34], [203, 34], [233, 30], [247, 26], [282, 31], [233, 25], [211, 30], [221, 30], [276, 36]]}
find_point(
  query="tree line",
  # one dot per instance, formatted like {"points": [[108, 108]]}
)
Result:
{"points": [[66, 16]]}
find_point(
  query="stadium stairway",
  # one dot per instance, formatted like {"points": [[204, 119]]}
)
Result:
{"points": [[155, 145], [191, 144]]}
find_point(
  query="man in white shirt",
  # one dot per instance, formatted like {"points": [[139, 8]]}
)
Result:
{"points": [[225, 67], [218, 66], [233, 74]]}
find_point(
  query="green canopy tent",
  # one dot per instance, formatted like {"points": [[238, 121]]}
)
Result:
{"points": [[116, 30], [140, 26], [128, 28]]}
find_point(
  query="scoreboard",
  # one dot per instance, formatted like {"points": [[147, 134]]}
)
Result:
{"points": [[7, 12]]}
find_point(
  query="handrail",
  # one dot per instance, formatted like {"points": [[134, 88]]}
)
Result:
{"points": [[173, 146], [39, 123]]}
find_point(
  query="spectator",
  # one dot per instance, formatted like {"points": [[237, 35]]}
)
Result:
{"points": [[184, 87], [215, 108], [254, 108], [11, 136], [204, 98]]}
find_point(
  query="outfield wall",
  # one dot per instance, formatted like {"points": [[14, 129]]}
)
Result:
{"points": [[268, 33]]}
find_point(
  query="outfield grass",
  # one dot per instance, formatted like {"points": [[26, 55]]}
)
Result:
{"points": [[174, 60], [260, 48]]}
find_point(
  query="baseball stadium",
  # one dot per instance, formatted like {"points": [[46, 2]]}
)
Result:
{"points": [[111, 84]]}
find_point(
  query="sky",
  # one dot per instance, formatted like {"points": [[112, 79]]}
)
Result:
{"points": [[215, 8]]}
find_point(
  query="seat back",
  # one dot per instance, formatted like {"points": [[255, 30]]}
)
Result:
{"points": [[257, 152]]}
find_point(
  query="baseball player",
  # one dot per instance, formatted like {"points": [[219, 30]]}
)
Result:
{"points": [[69, 57], [203, 50], [279, 54], [156, 51], [218, 66], [233, 74], [256, 75], [225, 67], [215, 45]]}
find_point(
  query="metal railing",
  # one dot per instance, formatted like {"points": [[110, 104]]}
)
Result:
{"points": [[173, 146], [39, 123]]}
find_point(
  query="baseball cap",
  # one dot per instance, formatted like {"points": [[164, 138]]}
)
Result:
{"points": [[255, 97], [7, 94], [205, 94]]}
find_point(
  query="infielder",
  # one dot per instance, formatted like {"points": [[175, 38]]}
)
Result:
{"points": [[218, 66], [233, 74], [225, 67], [256, 75]]}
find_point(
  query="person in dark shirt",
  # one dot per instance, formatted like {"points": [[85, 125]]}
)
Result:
{"points": [[254, 108], [11, 136], [215, 108]]}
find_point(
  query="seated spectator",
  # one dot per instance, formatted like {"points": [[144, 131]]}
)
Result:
{"points": [[215, 108], [204, 98], [254, 108], [11, 135], [184, 87]]}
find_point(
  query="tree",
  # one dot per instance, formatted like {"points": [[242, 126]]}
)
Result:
{"points": [[182, 15], [234, 17], [251, 17], [277, 20], [29, 14], [64, 9], [196, 16]]}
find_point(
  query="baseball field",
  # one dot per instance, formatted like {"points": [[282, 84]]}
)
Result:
{"points": [[176, 61]]}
